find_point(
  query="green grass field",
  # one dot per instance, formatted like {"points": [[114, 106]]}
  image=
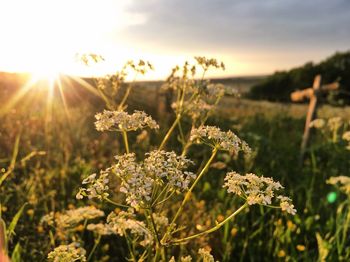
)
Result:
{"points": [[45, 158]]}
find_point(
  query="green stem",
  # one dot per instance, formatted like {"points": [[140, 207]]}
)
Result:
{"points": [[128, 240], [168, 134], [127, 92], [159, 247], [181, 133], [160, 195], [94, 247], [188, 194], [115, 203], [219, 225], [125, 138]]}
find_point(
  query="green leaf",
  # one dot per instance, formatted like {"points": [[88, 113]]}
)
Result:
{"points": [[16, 254], [11, 230], [323, 248], [13, 160]]}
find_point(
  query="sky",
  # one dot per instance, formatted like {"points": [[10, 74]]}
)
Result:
{"points": [[252, 37]]}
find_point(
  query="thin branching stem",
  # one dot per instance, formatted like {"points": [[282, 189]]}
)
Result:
{"points": [[219, 225], [97, 241], [188, 193], [115, 203], [125, 138], [170, 131]]}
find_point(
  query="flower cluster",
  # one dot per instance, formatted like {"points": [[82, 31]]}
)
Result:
{"points": [[216, 138], [136, 185], [209, 62], [124, 222], [317, 123], [346, 137], [335, 123], [160, 221], [343, 180], [122, 121], [257, 190], [215, 90], [100, 229], [286, 205], [71, 218], [194, 97], [67, 253], [138, 179], [97, 187], [167, 167], [334, 126], [205, 255]]}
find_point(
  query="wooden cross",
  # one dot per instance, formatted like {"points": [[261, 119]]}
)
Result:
{"points": [[311, 93]]}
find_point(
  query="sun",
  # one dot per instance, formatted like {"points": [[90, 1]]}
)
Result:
{"points": [[49, 75]]}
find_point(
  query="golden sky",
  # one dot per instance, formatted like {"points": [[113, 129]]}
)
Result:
{"points": [[250, 37]]}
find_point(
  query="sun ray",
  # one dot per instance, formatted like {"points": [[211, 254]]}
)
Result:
{"points": [[60, 88], [86, 85], [17, 97], [49, 106]]}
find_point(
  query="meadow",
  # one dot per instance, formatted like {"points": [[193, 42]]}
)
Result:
{"points": [[65, 197]]}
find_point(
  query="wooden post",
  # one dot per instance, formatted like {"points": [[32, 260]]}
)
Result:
{"points": [[312, 94], [310, 114]]}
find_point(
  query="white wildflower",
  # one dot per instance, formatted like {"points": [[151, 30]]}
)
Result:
{"points": [[67, 253], [71, 218], [95, 187], [122, 121], [168, 168], [286, 205], [160, 167], [101, 229], [194, 108], [216, 90], [257, 190], [135, 183], [344, 181], [222, 140], [160, 220], [317, 123], [334, 123], [205, 255], [346, 136], [125, 221]]}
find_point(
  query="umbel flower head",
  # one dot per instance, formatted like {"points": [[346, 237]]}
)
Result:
{"points": [[125, 222], [122, 121], [71, 218], [67, 253], [257, 190], [96, 187], [122, 223], [214, 137], [159, 168]]}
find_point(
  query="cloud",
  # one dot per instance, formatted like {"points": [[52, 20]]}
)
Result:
{"points": [[249, 24]]}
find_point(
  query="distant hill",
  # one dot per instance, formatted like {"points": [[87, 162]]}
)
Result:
{"points": [[278, 86], [11, 82], [146, 95]]}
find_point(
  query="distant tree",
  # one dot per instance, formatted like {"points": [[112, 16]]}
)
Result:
{"points": [[278, 86]]}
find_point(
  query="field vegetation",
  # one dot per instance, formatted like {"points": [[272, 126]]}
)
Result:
{"points": [[185, 171]]}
